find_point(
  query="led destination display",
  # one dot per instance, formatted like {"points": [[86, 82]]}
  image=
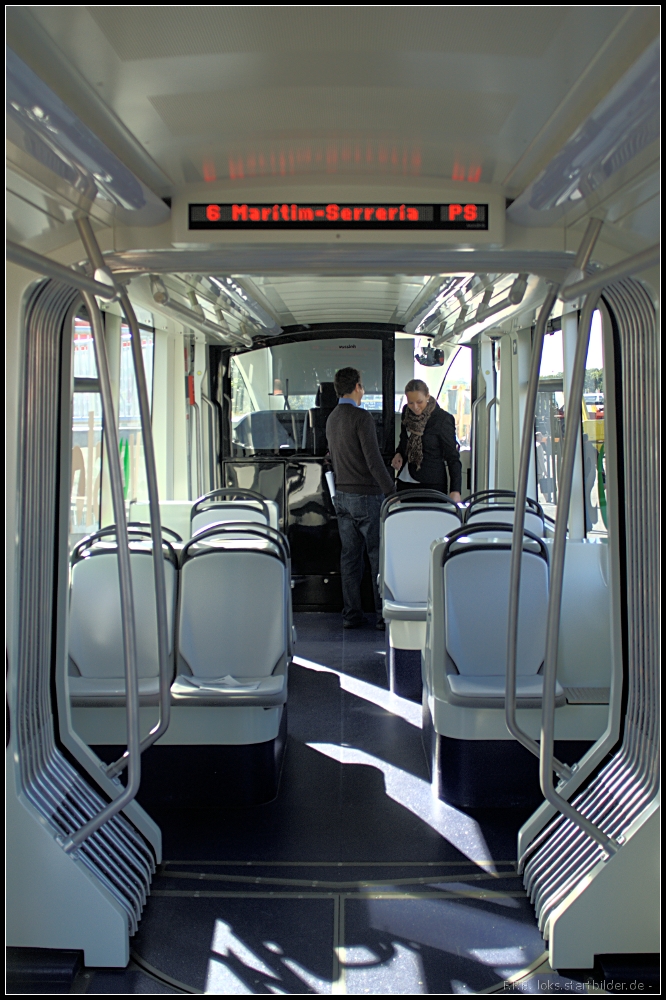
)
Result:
{"points": [[241, 215]]}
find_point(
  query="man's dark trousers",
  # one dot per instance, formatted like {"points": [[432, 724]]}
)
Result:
{"points": [[358, 524]]}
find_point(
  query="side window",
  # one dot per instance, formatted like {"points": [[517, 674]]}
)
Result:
{"points": [[130, 439], [89, 499], [594, 452], [550, 425], [87, 445]]}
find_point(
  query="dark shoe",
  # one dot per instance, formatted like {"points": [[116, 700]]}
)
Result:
{"points": [[380, 624], [355, 623]]}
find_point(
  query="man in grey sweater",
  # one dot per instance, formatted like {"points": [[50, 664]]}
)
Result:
{"points": [[361, 481]]}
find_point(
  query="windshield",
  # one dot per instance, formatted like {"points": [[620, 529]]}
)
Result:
{"points": [[282, 395]]}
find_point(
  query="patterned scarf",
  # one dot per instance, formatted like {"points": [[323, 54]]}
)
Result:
{"points": [[416, 426]]}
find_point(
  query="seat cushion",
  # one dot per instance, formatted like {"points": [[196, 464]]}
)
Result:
{"points": [[488, 691], [110, 691], [259, 691]]}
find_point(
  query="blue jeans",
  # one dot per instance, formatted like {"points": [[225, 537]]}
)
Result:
{"points": [[358, 524]]}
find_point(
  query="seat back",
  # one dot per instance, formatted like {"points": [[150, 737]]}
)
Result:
{"points": [[233, 504], [227, 511], [314, 427], [494, 513], [235, 602], [95, 627], [407, 534], [476, 570]]}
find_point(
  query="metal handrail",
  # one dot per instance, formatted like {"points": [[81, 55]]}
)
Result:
{"points": [[52, 269], [563, 770], [493, 402], [213, 435], [639, 262], [571, 438], [526, 450], [126, 595], [95, 256], [197, 411], [473, 435]]}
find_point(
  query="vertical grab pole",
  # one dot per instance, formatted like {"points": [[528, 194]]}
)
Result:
{"points": [[526, 447], [126, 596], [571, 437], [474, 434], [95, 256]]}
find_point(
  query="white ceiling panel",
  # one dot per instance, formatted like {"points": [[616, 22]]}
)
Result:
{"points": [[229, 92], [302, 299]]}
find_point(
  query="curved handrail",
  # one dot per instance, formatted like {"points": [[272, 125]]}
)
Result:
{"points": [[493, 402], [230, 492], [526, 445], [52, 269], [214, 434], [165, 530], [473, 435], [433, 496], [235, 528], [126, 596], [483, 529], [571, 438], [134, 529], [95, 256]]}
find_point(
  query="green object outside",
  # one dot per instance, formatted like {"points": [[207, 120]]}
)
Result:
{"points": [[600, 486], [123, 448]]}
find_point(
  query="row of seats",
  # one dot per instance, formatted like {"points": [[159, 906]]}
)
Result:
{"points": [[230, 631], [221, 650], [444, 579], [410, 522]]}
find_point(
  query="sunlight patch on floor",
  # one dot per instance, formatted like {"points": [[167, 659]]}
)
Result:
{"points": [[407, 710], [417, 795]]}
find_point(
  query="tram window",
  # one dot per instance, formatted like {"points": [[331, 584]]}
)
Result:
{"points": [[129, 420], [273, 388], [86, 472], [550, 423], [594, 452], [450, 383], [85, 365]]}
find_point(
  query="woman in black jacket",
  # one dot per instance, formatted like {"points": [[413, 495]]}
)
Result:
{"points": [[427, 445]]}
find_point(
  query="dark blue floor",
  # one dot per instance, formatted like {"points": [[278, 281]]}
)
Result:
{"points": [[355, 879]]}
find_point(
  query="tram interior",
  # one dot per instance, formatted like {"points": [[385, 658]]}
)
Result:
{"points": [[461, 796]]}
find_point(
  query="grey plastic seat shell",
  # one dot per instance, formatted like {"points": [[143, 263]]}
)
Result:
{"points": [[97, 673], [476, 602], [407, 534], [234, 623]]}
